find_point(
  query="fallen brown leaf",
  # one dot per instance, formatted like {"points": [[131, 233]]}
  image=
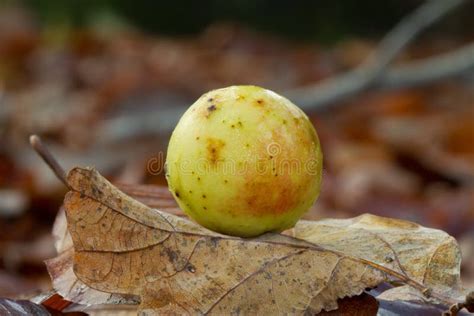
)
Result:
{"points": [[124, 249], [428, 256]]}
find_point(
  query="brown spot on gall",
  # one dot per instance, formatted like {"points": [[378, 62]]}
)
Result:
{"points": [[211, 108], [207, 111], [260, 102], [177, 194], [214, 149]]}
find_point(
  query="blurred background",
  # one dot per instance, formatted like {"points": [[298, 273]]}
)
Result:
{"points": [[104, 82]]}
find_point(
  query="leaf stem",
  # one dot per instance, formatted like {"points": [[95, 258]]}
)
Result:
{"points": [[426, 291], [48, 158]]}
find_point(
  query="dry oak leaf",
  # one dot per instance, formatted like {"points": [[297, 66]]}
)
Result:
{"points": [[122, 246], [427, 256]]}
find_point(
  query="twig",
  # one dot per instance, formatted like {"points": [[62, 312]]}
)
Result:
{"points": [[430, 69], [48, 158], [342, 86], [414, 73]]}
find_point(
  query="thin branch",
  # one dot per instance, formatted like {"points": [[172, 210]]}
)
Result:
{"points": [[411, 74], [430, 69], [414, 73], [48, 158], [342, 86]]}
